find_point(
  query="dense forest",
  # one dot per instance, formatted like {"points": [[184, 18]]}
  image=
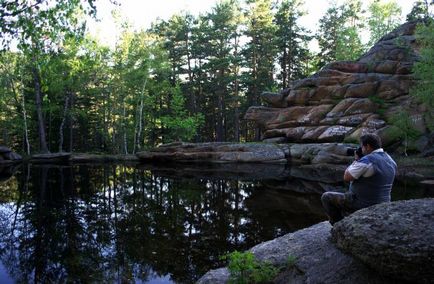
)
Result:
{"points": [[189, 78]]}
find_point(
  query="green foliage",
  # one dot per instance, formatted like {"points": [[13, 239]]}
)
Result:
{"points": [[338, 34], [351, 140], [290, 261], [187, 78], [244, 268], [404, 125], [403, 129], [292, 39], [384, 17], [179, 125], [423, 71], [420, 10], [377, 100]]}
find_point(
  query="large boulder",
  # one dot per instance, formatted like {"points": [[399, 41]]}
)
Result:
{"points": [[347, 99], [317, 260], [395, 239]]}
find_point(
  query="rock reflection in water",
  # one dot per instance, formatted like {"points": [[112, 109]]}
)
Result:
{"points": [[115, 223]]}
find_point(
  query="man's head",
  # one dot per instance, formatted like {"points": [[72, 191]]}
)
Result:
{"points": [[370, 142]]}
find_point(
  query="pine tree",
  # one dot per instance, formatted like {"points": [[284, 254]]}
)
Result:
{"points": [[292, 42], [338, 35], [259, 52]]}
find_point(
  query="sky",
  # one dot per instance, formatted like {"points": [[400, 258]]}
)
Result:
{"points": [[141, 13]]}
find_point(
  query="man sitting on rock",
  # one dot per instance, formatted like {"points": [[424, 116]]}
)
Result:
{"points": [[371, 178]]}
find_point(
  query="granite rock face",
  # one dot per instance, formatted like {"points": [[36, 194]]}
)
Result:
{"points": [[7, 156], [317, 260], [226, 152], [217, 153], [395, 239], [347, 99]]}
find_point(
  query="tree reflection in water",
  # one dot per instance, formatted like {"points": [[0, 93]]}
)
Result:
{"points": [[113, 223]]}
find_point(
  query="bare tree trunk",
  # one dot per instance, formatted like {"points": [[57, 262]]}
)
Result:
{"points": [[138, 129], [219, 118], [62, 124], [284, 66], [71, 122], [24, 113], [124, 127], [236, 94], [26, 131], [38, 100]]}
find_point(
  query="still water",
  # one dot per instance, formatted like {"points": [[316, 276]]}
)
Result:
{"points": [[145, 224]]}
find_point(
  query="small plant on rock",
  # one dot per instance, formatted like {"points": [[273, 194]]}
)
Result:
{"points": [[245, 268], [290, 261]]}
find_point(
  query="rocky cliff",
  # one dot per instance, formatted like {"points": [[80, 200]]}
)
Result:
{"points": [[346, 99]]}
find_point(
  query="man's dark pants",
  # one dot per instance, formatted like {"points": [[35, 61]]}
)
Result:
{"points": [[338, 205]]}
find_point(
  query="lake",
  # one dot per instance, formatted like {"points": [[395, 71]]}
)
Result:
{"points": [[115, 223]]}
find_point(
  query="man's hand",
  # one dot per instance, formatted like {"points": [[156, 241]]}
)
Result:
{"points": [[348, 177]]}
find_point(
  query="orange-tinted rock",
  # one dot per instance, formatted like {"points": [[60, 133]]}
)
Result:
{"points": [[327, 92], [363, 90], [314, 115], [261, 115], [334, 133], [299, 97], [346, 99], [295, 134], [361, 106], [390, 89], [341, 107], [273, 99], [313, 134], [274, 133], [387, 66], [348, 66], [373, 122], [353, 120]]}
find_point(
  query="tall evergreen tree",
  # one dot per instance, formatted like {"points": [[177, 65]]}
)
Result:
{"points": [[259, 52], [339, 30], [222, 31], [291, 41]]}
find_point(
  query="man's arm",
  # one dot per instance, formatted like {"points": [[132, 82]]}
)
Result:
{"points": [[347, 176], [357, 169]]}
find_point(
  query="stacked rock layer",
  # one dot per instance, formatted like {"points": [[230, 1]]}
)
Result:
{"points": [[346, 99]]}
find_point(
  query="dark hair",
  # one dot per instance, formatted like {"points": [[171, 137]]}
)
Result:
{"points": [[371, 139]]}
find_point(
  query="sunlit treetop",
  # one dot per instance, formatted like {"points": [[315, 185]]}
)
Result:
{"points": [[42, 21]]}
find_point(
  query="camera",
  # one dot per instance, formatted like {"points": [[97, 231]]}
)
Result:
{"points": [[358, 151]]}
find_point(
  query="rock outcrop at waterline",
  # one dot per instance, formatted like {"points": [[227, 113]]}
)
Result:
{"points": [[7, 156], [223, 152], [346, 99], [227, 152], [384, 243]]}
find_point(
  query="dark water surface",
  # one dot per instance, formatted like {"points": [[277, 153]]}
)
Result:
{"points": [[121, 224]]}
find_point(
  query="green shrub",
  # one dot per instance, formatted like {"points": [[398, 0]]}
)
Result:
{"points": [[244, 268], [290, 261]]}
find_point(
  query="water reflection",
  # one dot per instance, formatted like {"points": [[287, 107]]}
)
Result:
{"points": [[113, 223]]}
